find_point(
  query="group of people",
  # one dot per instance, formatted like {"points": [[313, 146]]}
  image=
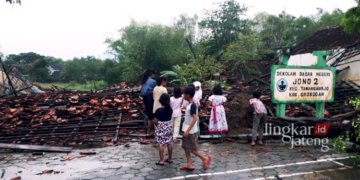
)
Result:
{"points": [[165, 114]]}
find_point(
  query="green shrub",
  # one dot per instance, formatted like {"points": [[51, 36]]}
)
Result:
{"points": [[341, 142], [197, 70]]}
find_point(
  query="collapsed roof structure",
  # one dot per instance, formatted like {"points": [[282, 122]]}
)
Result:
{"points": [[346, 59], [346, 47], [12, 82], [70, 118]]}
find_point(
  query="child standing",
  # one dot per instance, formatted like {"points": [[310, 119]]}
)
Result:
{"points": [[190, 129], [260, 116], [176, 104], [164, 128], [158, 91], [218, 123], [198, 90]]}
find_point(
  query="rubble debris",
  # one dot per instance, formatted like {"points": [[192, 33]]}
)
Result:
{"points": [[38, 153], [87, 153], [16, 178], [326, 39], [31, 158], [67, 158], [144, 141], [70, 118], [49, 171]]}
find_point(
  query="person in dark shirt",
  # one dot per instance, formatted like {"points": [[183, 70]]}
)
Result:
{"points": [[147, 87], [164, 128]]}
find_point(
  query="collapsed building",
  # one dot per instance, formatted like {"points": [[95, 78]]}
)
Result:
{"points": [[13, 82], [109, 116], [346, 59]]}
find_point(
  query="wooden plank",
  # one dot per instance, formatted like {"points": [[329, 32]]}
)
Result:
{"points": [[36, 147]]}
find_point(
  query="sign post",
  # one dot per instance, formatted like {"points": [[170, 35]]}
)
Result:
{"points": [[303, 84]]}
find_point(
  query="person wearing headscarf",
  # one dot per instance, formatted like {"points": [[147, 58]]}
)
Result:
{"points": [[198, 90]]}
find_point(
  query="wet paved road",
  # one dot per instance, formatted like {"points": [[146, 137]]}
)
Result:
{"points": [[231, 161]]}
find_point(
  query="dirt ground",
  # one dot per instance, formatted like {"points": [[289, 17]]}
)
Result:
{"points": [[238, 114]]}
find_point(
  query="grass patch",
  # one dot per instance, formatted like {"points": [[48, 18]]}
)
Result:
{"points": [[88, 86]]}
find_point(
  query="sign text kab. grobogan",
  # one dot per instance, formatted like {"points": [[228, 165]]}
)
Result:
{"points": [[302, 84]]}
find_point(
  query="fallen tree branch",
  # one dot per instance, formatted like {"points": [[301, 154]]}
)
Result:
{"points": [[344, 115], [304, 119]]}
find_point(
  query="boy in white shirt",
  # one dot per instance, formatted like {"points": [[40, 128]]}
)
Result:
{"points": [[190, 136]]}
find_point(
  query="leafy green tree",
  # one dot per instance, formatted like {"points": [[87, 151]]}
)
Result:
{"points": [[225, 25], [143, 46], [326, 19], [286, 30], [32, 65], [247, 48], [276, 32], [351, 21], [111, 70], [188, 24], [83, 69], [239, 54]]}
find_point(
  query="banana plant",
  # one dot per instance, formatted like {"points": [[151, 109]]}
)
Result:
{"points": [[178, 75]]}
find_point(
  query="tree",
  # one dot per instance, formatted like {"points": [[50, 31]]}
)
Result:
{"points": [[285, 30], [84, 69], [239, 54], [276, 31], [225, 25], [143, 46], [351, 21], [189, 25], [326, 19], [31, 64]]}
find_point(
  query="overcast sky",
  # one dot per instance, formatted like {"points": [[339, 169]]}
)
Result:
{"points": [[69, 28]]}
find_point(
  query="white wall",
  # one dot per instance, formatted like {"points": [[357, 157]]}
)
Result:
{"points": [[353, 73], [308, 59]]}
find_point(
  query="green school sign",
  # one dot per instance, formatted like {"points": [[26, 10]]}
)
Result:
{"points": [[303, 84]]}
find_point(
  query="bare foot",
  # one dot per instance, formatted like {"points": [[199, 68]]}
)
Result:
{"points": [[207, 163], [187, 168]]}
